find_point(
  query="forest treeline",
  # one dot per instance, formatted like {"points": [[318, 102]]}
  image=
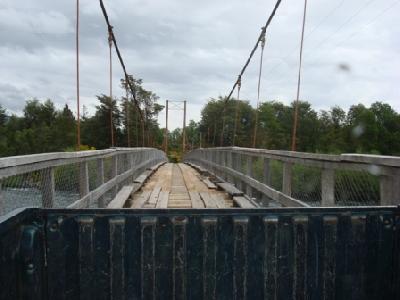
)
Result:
{"points": [[43, 128], [360, 129]]}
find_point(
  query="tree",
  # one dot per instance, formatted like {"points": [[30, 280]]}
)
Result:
{"points": [[96, 130], [388, 126], [64, 128], [192, 135], [3, 116], [361, 130], [219, 112], [3, 131], [147, 103]]}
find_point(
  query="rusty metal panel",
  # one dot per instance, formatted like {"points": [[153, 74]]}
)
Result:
{"points": [[321, 253]]}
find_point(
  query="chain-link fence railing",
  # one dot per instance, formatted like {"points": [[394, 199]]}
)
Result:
{"points": [[64, 179], [305, 179]]}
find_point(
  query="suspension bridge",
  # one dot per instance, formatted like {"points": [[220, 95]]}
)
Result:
{"points": [[224, 223]]}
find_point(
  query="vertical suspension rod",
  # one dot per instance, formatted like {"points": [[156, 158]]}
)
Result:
{"points": [[296, 110], [127, 112], [111, 96], [239, 85], [78, 134], [184, 128], [258, 88]]}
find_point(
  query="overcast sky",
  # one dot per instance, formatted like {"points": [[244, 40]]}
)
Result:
{"points": [[193, 50]]}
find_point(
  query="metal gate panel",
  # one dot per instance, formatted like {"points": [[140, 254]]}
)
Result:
{"points": [[330, 253]]}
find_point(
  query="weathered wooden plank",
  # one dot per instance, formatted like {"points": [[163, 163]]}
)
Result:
{"points": [[242, 202], [218, 200], [154, 195], [155, 168], [141, 179], [121, 197], [181, 196], [196, 200], [144, 197], [184, 202], [209, 184], [209, 202], [162, 199], [285, 200], [230, 189]]}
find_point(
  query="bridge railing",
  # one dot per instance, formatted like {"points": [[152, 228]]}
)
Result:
{"points": [[71, 179], [305, 179]]}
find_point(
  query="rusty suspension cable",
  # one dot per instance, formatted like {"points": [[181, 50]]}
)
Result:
{"points": [[256, 46], [258, 90], [296, 110], [239, 85], [78, 128], [131, 87], [111, 96]]}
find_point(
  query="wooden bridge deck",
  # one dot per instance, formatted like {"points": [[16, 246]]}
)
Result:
{"points": [[179, 186]]}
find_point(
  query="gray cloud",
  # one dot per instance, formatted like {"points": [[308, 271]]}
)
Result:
{"points": [[194, 50]]}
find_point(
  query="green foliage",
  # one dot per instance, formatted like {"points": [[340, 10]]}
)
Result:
{"points": [[361, 130], [43, 128]]}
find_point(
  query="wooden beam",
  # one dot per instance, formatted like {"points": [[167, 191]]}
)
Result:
{"points": [[220, 202], [121, 197], [242, 202], [144, 197], [162, 199], [154, 195], [209, 184], [230, 189], [196, 200], [209, 202]]}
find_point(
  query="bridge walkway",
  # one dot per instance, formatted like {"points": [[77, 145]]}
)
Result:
{"points": [[179, 186]]}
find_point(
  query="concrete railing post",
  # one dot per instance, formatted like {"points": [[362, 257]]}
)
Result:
{"points": [[100, 180], [287, 178], [131, 164], [48, 187], [390, 188], [223, 163], [114, 173], [249, 172], [266, 175], [239, 169], [328, 187], [229, 165], [83, 179], [267, 171]]}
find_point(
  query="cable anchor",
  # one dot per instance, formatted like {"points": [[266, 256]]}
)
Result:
{"points": [[239, 82], [262, 38], [110, 35]]}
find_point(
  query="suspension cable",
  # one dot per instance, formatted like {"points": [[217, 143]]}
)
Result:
{"points": [[131, 87], [256, 46], [258, 90], [296, 110]]}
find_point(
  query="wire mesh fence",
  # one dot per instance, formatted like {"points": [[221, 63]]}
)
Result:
{"points": [[355, 188], [306, 184], [58, 185], [276, 169], [21, 190], [305, 179], [66, 185]]}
